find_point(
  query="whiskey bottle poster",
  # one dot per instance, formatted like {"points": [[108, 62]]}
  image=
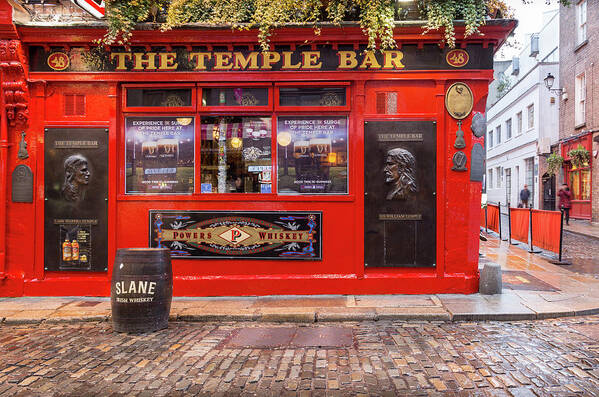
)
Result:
{"points": [[76, 199]]}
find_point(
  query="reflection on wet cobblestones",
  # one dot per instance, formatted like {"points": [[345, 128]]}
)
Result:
{"points": [[582, 252], [552, 357]]}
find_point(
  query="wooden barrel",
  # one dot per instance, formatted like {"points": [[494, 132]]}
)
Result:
{"points": [[141, 289]]}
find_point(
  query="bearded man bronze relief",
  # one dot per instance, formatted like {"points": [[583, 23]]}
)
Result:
{"points": [[400, 173], [76, 178]]}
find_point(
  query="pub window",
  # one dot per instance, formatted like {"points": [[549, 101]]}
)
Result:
{"points": [[312, 96], [235, 154], [159, 97], [159, 154], [312, 155], [239, 96]]}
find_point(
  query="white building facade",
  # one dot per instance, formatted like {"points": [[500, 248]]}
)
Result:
{"points": [[523, 121]]}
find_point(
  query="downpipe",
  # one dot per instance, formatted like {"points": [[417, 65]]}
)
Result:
{"points": [[4, 145]]}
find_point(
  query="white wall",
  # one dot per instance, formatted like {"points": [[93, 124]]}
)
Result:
{"points": [[527, 87]]}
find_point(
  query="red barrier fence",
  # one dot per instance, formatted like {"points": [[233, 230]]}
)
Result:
{"points": [[493, 217], [543, 229], [483, 217], [519, 224], [546, 226]]}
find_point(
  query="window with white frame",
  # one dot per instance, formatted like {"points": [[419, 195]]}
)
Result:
{"points": [[490, 182], [490, 140], [508, 129], [498, 177], [580, 94], [581, 21], [498, 134], [519, 123], [531, 116]]}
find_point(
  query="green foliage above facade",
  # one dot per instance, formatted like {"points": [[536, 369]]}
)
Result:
{"points": [[376, 17], [554, 163], [580, 157]]}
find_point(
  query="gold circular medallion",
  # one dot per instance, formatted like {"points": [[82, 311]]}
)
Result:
{"points": [[58, 61], [459, 100]]}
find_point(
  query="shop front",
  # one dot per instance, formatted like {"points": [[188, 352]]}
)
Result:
{"points": [[308, 169], [578, 176]]}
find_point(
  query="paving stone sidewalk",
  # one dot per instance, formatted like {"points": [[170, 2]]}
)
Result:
{"points": [[534, 288], [558, 357]]}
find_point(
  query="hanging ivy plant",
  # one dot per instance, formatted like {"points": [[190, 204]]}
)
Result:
{"points": [[580, 157], [376, 17], [554, 163]]}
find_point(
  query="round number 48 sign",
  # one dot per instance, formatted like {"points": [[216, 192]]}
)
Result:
{"points": [[457, 58]]}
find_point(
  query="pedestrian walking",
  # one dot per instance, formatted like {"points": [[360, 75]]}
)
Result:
{"points": [[565, 204], [524, 196]]}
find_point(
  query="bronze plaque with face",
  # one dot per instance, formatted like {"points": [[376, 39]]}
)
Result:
{"points": [[76, 193], [400, 203], [22, 184], [459, 100]]}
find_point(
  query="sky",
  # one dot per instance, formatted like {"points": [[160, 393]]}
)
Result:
{"points": [[529, 18]]}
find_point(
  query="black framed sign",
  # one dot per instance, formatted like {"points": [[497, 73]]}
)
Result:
{"points": [[235, 234], [76, 199], [400, 187]]}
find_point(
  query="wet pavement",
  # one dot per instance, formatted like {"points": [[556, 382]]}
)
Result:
{"points": [[524, 358], [580, 246], [321, 345], [582, 252]]}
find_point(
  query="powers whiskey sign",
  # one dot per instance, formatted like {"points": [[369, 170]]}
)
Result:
{"points": [[264, 235]]}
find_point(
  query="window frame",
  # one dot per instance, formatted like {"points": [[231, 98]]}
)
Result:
{"points": [[498, 135], [198, 112], [227, 109], [580, 99], [158, 109], [508, 129], [519, 123], [581, 21], [530, 117], [498, 175], [320, 84]]}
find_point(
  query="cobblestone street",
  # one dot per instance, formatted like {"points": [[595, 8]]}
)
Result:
{"points": [[551, 357], [583, 253]]}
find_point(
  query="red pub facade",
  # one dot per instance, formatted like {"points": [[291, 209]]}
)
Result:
{"points": [[314, 168]]}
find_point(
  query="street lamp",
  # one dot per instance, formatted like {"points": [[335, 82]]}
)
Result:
{"points": [[549, 83]]}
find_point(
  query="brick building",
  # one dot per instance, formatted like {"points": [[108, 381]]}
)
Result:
{"points": [[579, 110]]}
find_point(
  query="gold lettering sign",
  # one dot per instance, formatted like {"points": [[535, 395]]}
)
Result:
{"points": [[251, 61], [459, 101], [75, 144], [400, 217], [412, 137]]}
